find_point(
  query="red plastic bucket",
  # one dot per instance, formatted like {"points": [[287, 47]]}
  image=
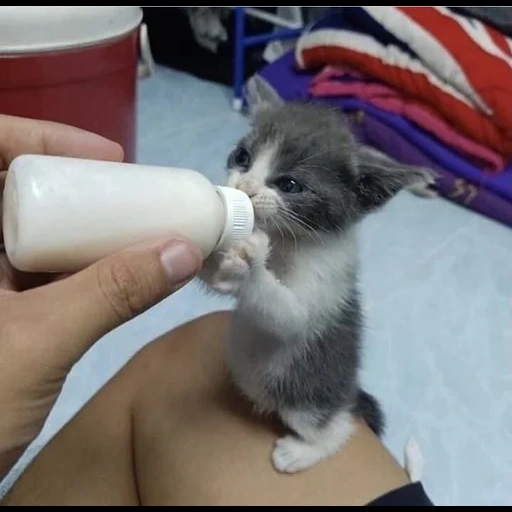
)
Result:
{"points": [[74, 65]]}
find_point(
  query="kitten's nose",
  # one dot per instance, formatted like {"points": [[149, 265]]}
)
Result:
{"points": [[249, 186]]}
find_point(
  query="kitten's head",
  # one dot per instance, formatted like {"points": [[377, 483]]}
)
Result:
{"points": [[305, 172]]}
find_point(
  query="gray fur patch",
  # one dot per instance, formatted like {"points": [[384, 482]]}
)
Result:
{"points": [[341, 180], [323, 375]]}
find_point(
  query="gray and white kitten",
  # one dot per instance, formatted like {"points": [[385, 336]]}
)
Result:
{"points": [[295, 340]]}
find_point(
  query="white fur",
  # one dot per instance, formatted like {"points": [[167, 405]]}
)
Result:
{"points": [[265, 200], [261, 167], [292, 454]]}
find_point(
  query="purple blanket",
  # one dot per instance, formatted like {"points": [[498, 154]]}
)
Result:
{"points": [[459, 180]]}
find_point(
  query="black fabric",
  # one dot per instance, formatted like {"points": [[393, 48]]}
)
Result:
{"points": [[173, 45], [498, 17], [412, 495]]}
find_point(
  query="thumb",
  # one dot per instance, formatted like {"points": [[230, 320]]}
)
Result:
{"points": [[80, 309]]}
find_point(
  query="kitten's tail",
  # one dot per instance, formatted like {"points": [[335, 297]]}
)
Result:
{"points": [[368, 407]]}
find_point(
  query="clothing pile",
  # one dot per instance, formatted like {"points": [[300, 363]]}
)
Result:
{"points": [[429, 86]]}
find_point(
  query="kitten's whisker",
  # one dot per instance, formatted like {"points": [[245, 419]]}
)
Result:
{"points": [[278, 228], [312, 167], [310, 157], [293, 216], [288, 227], [308, 230], [301, 224], [316, 229]]}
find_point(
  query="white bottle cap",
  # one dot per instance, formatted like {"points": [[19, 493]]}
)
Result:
{"points": [[239, 216]]}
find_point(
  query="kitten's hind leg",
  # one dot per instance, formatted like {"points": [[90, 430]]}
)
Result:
{"points": [[315, 439]]}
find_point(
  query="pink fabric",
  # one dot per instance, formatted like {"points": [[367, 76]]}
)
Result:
{"points": [[344, 81]]}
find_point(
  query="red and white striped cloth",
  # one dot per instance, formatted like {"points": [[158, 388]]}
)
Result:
{"points": [[461, 67]]}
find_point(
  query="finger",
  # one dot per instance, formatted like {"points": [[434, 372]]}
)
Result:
{"points": [[78, 310], [20, 136]]}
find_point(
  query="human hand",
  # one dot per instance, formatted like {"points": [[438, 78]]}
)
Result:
{"points": [[45, 327]]}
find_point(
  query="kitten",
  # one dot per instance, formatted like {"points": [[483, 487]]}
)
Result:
{"points": [[295, 340]]}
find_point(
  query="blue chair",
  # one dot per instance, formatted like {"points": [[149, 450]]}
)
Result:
{"points": [[292, 30]]}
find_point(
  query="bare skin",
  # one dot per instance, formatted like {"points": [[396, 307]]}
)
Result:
{"points": [[48, 321], [170, 429]]}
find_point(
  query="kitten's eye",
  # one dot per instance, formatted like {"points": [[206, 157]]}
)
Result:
{"points": [[288, 186], [242, 158]]}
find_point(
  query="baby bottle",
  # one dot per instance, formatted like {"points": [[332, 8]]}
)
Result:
{"points": [[61, 214]]}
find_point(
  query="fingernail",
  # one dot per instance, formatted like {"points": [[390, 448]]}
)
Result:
{"points": [[180, 261]]}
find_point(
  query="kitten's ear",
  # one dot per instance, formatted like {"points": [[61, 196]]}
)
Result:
{"points": [[261, 96], [380, 178]]}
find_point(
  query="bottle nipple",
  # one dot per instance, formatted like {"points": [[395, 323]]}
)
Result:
{"points": [[239, 216]]}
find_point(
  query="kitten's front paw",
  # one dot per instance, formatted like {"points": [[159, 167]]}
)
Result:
{"points": [[236, 263], [292, 454], [232, 272], [256, 249]]}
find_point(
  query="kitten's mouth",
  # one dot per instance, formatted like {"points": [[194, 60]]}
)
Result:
{"points": [[263, 222], [259, 220], [266, 223], [264, 211], [257, 209]]}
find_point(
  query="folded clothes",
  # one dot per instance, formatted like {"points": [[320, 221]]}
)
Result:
{"points": [[444, 157], [374, 132], [457, 49], [434, 68], [344, 81], [494, 191]]}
